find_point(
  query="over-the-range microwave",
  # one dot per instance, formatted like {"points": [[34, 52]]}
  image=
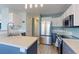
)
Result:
{"points": [[69, 21]]}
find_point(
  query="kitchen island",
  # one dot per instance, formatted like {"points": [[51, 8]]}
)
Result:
{"points": [[70, 46], [18, 45]]}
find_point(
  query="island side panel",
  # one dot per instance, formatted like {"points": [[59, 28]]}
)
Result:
{"points": [[32, 49], [5, 49]]}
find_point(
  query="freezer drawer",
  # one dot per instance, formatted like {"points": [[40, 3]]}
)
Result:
{"points": [[45, 40]]}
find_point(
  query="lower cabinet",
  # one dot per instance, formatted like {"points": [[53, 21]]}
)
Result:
{"points": [[5, 49], [67, 49], [32, 49]]}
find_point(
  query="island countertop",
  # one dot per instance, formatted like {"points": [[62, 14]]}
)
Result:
{"points": [[73, 44], [18, 41]]}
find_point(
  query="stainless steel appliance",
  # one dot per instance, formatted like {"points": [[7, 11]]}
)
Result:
{"points": [[46, 32], [68, 22]]}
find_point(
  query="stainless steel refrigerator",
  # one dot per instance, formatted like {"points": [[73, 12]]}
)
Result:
{"points": [[46, 32]]}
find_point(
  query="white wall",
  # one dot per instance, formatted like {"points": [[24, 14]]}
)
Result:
{"points": [[18, 18], [23, 16], [14, 18], [4, 18]]}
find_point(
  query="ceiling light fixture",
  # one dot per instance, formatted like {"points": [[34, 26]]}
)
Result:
{"points": [[25, 6], [41, 5], [30, 5], [36, 5]]}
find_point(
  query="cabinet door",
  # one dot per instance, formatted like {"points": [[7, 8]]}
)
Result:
{"points": [[67, 49], [58, 22], [76, 15]]}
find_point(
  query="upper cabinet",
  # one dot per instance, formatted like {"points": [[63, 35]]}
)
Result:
{"points": [[72, 10], [76, 14], [69, 21], [56, 21]]}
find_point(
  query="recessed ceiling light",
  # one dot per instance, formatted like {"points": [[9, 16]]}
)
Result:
{"points": [[30, 5], [36, 5], [25, 6], [41, 5]]}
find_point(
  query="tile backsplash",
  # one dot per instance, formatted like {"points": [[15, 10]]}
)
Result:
{"points": [[74, 31]]}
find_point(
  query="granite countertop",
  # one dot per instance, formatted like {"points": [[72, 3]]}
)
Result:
{"points": [[18, 41], [73, 44]]}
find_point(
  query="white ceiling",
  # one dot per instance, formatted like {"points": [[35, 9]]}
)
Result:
{"points": [[14, 7], [47, 9]]}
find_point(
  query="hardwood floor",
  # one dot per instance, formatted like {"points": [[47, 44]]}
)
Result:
{"points": [[46, 49]]}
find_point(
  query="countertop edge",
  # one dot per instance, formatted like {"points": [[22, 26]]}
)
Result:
{"points": [[18, 46], [70, 45]]}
